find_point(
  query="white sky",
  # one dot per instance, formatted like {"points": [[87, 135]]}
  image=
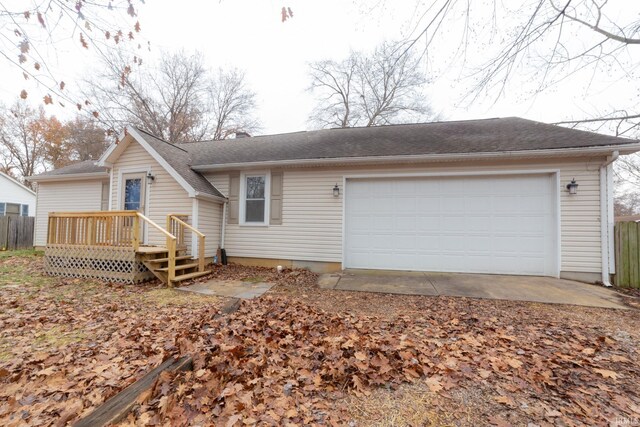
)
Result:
{"points": [[249, 34]]}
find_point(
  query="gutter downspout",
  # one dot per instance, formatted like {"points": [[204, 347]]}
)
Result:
{"points": [[224, 224], [606, 215]]}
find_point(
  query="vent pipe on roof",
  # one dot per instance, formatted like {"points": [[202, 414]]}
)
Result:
{"points": [[241, 134]]}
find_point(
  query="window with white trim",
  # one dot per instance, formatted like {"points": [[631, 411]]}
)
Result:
{"points": [[13, 209], [255, 194]]}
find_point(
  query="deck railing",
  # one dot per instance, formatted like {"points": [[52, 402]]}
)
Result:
{"points": [[109, 228]]}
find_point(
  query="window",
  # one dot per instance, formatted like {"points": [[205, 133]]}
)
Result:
{"points": [[104, 203], [132, 194], [254, 195], [12, 209]]}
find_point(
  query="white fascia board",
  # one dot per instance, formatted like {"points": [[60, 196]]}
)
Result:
{"points": [[211, 197], [103, 160], [522, 154], [69, 177]]}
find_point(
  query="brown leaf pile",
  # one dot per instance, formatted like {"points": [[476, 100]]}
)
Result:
{"points": [[296, 277], [279, 361], [68, 345]]}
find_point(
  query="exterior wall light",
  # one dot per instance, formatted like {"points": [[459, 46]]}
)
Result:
{"points": [[150, 177], [336, 191], [572, 186]]}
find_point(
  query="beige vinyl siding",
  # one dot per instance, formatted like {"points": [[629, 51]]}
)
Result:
{"points": [[209, 223], [164, 194], [312, 218], [64, 196]]}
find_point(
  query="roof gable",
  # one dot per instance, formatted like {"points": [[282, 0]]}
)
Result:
{"points": [[175, 160], [17, 183]]}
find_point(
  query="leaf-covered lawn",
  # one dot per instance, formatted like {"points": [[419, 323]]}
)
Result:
{"points": [[66, 345], [304, 356], [308, 356]]}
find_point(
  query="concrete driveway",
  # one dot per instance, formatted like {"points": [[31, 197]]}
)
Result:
{"points": [[515, 288]]}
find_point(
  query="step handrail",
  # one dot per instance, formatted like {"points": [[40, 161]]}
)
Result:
{"points": [[201, 237], [171, 248]]}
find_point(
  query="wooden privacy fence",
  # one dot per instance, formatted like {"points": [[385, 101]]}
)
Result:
{"points": [[627, 246], [16, 232]]}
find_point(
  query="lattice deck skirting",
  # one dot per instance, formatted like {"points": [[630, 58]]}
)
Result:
{"points": [[116, 264]]}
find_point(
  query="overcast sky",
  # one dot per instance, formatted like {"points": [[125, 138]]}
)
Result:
{"points": [[249, 34]]}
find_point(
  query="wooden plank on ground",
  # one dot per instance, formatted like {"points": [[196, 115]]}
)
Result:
{"points": [[117, 408]]}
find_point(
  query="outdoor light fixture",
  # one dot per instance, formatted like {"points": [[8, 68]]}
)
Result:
{"points": [[572, 186], [336, 191], [150, 177]]}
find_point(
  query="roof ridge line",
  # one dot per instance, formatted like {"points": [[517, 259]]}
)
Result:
{"points": [[160, 139]]}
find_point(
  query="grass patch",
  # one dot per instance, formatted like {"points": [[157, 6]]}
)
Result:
{"points": [[164, 297], [5, 353], [254, 279], [20, 275], [57, 337], [21, 253]]}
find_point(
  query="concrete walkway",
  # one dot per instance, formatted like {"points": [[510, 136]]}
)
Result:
{"points": [[229, 288], [515, 288]]}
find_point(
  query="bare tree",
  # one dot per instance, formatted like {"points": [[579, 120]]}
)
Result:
{"points": [[179, 101], [167, 103], [29, 28], [369, 90], [85, 139], [335, 84], [231, 104], [21, 142], [559, 39]]}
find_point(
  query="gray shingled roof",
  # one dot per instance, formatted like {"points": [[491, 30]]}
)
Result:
{"points": [[472, 136], [87, 166], [179, 159]]}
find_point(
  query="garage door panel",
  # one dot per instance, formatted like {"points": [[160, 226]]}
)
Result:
{"points": [[479, 223], [501, 224]]}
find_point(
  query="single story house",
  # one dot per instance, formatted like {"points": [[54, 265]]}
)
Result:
{"points": [[15, 198], [497, 196]]}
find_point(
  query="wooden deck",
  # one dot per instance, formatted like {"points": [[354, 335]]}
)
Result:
{"points": [[108, 245]]}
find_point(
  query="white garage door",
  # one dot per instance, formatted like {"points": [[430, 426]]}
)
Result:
{"points": [[482, 224]]}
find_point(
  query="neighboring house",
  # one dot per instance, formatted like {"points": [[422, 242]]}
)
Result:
{"points": [[15, 198], [479, 196]]}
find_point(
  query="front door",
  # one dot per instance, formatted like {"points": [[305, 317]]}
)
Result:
{"points": [[133, 192], [133, 196]]}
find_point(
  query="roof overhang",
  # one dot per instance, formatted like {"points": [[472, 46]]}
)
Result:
{"points": [[68, 177], [623, 149]]}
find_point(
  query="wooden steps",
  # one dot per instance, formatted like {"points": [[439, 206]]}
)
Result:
{"points": [[191, 275], [157, 261], [179, 267], [164, 260]]}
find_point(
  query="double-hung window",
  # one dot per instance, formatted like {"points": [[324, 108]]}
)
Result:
{"points": [[255, 191]]}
